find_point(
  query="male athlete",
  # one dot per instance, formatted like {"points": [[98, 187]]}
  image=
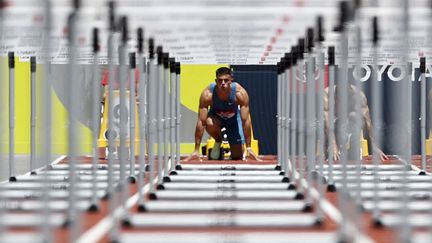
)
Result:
{"points": [[362, 109], [224, 104]]}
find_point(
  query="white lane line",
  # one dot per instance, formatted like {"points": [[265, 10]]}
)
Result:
{"points": [[413, 167], [98, 231], [331, 210]]}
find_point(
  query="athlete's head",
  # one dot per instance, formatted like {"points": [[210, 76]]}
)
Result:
{"points": [[223, 77]]}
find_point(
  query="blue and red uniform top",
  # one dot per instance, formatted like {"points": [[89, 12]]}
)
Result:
{"points": [[224, 109]]}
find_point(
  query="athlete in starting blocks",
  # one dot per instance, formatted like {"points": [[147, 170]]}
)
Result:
{"points": [[224, 104]]}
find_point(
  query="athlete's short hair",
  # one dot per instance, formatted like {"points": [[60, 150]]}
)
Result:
{"points": [[223, 71]]}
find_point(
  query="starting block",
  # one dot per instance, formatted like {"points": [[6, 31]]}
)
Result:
{"points": [[364, 145], [104, 131], [428, 143], [225, 148]]}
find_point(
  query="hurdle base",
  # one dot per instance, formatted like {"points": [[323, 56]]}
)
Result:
{"points": [[66, 223], [126, 222], [142, 208], [166, 179], [286, 179], [120, 187], [12, 179], [315, 174], [178, 167], [360, 207], [319, 222], [377, 223], [307, 208], [114, 241], [107, 196], [343, 240], [147, 168], [93, 208], [173, 173], [152, 196], [422, 172], [331, 188], [291, 187], [160, 187], [323, 180], [282, 173], [299, 196], [278, 167], [33, 173], [131, 179]]}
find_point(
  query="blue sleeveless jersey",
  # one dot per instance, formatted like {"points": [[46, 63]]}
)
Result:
{"points": [[224, 109]]}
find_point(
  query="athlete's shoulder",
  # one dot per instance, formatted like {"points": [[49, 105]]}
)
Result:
{"points": [[207, 92], [242, 96], [240, 89], [206, 96]]}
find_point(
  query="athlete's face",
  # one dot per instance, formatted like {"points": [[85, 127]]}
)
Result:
{"points": [[224, 81]]}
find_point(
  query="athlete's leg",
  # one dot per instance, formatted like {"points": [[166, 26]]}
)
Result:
{"points": [[213, 128], [236, 151], [235, 137]]}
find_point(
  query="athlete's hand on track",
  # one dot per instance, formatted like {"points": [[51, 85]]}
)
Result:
{"points": [[194, 156], [250, 155]]}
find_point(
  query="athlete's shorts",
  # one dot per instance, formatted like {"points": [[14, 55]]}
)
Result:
{"points": [[233, 126]]}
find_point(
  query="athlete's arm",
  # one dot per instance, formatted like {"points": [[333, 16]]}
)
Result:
{"points": [[242, 99], [330, 134], [369, 128]]}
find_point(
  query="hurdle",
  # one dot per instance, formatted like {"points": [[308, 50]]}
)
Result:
{"points": [[293, 111], [32, 114], [22, 237], [122, 187], [166, 115], [95, 118], [112, 40], [112, 45], [279, 113], [319, 38], [227, 237], [285, 77], [341, 109], [132, 111], [230, 167], [159, 113], [405, 104], [423, 114], [225, 192], [301, 116], [72, 215], [45, 228], [178, 114], [11, 57], [310, 116], [172, 111], [228, 186], [143, 121], [228, 172], [331, 129], [237, 178], [153, 76], [31, 220], [212, 220]]}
